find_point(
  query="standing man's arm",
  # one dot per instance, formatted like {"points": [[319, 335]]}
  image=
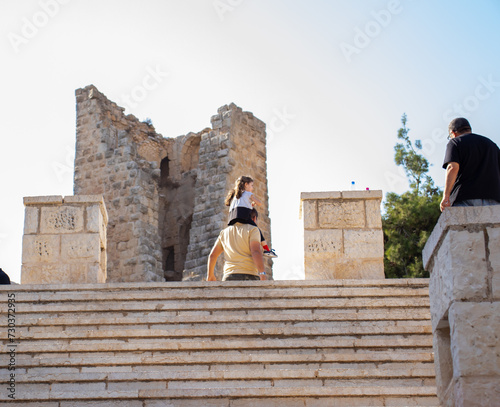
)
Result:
{"points": [[258, 259], [451, 177], [212, 259]]}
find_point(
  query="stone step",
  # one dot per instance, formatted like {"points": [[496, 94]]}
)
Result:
{"points": [[409, 284], [97, 392], [391, 315], [339, 326], [171, 293], [338, 374], [389, 342], [226, 333], [212, 360], [332, 304], [315, 343]]}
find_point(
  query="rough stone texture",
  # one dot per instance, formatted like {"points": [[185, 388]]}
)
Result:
{"points": [[221, 162], [164, 195], [66, 243], [343, 236], [463, 257], [237, 343]]}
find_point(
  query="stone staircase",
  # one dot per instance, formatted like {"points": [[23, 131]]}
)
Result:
{"points": [[215, 344]]}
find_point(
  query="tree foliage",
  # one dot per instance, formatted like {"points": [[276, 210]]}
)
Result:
{"points": [[410, 217]]}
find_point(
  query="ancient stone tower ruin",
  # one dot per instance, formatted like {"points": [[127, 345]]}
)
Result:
{"points": [[164, 196]]}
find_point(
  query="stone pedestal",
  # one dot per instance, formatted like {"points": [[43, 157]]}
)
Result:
{"points": [[463, 257], [64, 240], [343, 236]]}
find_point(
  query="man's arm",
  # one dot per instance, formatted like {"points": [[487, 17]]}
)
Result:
{"points": [[212, 259], [258, 259], [450, 178]]}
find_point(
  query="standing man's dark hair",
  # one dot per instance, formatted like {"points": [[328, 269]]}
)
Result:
{"points": [[472, 164], [4, 278]]}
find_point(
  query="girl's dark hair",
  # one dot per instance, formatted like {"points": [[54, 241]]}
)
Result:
{"points": [[239, 188]]}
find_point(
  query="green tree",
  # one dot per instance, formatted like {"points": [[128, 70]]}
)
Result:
{"points": [[410, 217]]}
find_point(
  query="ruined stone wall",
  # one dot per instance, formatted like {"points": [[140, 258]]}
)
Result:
{"points": [[235, 146], [165, 196], [118, 157]]}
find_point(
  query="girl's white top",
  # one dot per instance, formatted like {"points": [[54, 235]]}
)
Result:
{"points": [[244, 200]]}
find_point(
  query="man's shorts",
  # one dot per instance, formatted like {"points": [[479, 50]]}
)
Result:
{"points": [[240, 277]]}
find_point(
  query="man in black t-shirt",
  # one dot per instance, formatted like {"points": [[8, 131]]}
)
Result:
{"points": [[472, 164]]}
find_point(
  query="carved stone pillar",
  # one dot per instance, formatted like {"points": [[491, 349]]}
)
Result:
{"points": [[64, 240], [343, 236]]}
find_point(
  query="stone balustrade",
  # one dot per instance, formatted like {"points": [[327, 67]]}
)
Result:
{"points": [[64, 240], [463, 256]]}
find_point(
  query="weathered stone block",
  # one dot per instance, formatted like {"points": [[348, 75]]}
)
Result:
{"points": [[310, 214], [55, 274], [41, 248], [61, 219], [43, 200], [443, 361], [494, 259], [340, 214], [31, 218], [461, 272], [304, 196], [475, 347], [373, 217], [81, 247], [323, 242], [475, 392], [363, 244], [326, 268], [365, 195], [371, 269], [96, 219]]}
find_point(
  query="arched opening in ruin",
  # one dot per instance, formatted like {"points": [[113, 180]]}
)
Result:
{"points": [[176, 189], [164, 171]]}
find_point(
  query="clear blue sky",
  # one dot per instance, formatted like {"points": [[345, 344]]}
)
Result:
{"points": [[330, 78]]}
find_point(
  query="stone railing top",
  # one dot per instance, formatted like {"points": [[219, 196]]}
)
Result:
{"points": [[72, 199], [375, 194], [468, 217]]}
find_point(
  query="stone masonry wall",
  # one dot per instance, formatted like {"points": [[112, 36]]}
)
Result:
{"points": [[235, 146], [164, 195], [463, 257], [118, 157]]}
